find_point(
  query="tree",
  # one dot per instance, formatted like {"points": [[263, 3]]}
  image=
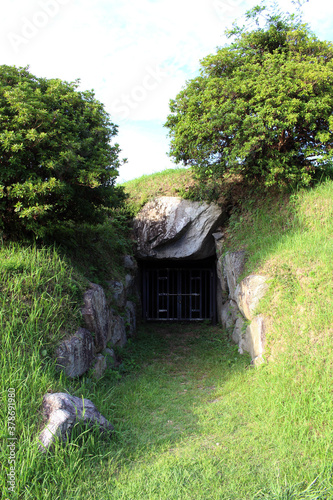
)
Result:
{"points": [[261, 107], [57, 165]]}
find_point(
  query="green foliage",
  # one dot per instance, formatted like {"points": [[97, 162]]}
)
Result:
{"points": [[56, 161], [261, 107], [97, 250]]}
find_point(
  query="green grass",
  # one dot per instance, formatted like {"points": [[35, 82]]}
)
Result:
{"points": [[193, 419], [97, 251], [169, 182], [39, 304]]}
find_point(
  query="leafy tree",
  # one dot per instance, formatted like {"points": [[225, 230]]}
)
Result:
{"points": [[261, 106], [57, 165]]}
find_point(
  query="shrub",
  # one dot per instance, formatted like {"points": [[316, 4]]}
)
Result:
{"points": [[261, 107], [57, 164]]}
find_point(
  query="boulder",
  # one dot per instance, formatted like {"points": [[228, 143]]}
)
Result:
{"points": [[118, 331], [110, 356], [96, 315], [75, 355], [248, 294], [254, 339], [118, 292], [99, 367], [229, 314], [219, 243], [130, 285], [238, 333], [173, 228], [219, 302], [233, 267], [222, 279], [62, 411], [130, 318], [130, 263]]}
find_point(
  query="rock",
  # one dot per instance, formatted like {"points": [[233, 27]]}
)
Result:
{"points": [[130, 318], [248, 294], [238, 333], [229, 314], [96, 315], [254, 339], [75, 355], [118, 331], [130, 263], [221, 289], [111, 360], [110, 326], [219, 243], [173, 228], [62, 411], [233, 267], [130, 284], [118, 292], [222, 279], [99, 367], [219, 302]]}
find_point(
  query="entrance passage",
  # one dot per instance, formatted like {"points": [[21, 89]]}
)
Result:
{"points": [[174, 291]]}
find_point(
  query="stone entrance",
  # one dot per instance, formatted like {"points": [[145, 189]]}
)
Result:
{"points": [[179, 291], [179, 247], [176, 252]]}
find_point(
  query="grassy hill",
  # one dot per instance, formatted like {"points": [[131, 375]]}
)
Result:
{"points": [[169, 182], [193, 419]]}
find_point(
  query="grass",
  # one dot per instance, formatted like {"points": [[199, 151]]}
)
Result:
{"points": [[291, 242], [39, 304], [97, 251], [184, 183], [169, 182], [193, 419]]}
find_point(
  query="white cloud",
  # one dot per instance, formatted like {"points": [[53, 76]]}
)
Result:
{"points": [[145, 148]]}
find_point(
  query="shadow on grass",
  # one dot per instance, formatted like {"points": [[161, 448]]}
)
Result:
{"points": [[168, 372]]}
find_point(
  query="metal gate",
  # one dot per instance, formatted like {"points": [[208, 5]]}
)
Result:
{"points": [[176, 294]]}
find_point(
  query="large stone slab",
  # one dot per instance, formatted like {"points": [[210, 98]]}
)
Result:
{"points": [[219, 243], [229, 314], [248, 294], [118, 292], [222, 279], [118, 335], [254, 339], [111, 359], [62, 411], [233, 267], [130, 318], [96, 315], [130, 263], [75, 355], [100, 366], [238, 333], [173, 228]]}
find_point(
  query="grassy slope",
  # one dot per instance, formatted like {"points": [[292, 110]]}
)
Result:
{"points": [[192, 419], [41, 294], [170, 182]]}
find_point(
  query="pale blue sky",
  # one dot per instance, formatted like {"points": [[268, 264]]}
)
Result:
{"points": [[136, 55]]}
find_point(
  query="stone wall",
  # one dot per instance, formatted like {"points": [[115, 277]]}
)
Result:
{"points": [[238, 300], [91, 347]]}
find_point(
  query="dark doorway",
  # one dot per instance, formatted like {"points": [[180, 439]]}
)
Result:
{"points": [[179, 291]]}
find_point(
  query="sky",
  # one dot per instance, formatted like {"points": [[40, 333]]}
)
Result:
{"points": [[135, 55]]}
